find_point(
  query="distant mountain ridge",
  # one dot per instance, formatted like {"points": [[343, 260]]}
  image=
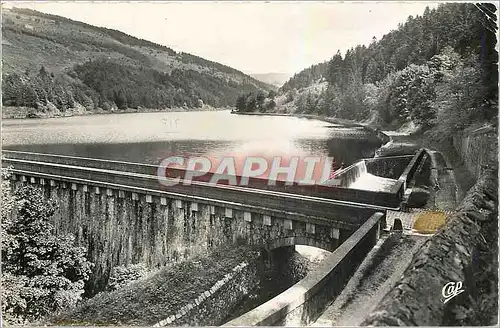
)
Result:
{"points": [[139, 73], [276, 79]]}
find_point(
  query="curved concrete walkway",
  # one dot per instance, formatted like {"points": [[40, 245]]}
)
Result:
{"points": [[445, 186], [382, 268]]}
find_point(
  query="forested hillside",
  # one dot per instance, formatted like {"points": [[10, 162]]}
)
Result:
{"points": [[52, 62], [306, 77], [436, 70]]}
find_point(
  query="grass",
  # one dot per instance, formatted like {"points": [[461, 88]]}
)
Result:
{"points": [[159, 295], [428, 222]]}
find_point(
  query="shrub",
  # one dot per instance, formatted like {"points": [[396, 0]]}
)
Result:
{"points": [[123, 275]]}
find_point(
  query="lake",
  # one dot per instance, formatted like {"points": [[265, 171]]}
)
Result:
{"points": [[150, 137]]}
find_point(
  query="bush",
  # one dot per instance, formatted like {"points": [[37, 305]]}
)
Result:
{"points": [[123, 275]]}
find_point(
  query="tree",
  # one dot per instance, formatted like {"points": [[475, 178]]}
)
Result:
{"points": [[42, 272], [120, 99], [259, 98], [335, 71], [420, 98], [43, 72], [12, 90], [459, 99], [251, 103], [271, 105]]}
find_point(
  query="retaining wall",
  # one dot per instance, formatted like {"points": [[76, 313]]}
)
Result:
{"points": [[211, 307], [388, 167], [478, 149]]}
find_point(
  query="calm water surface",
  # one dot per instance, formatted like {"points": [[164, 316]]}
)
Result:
{"points": [[150, 137]]}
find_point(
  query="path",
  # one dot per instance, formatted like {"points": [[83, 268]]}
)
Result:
{"points": [[443, 179], [377, 274]]}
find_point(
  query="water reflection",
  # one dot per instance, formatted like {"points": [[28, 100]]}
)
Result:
{"points": [[150, 137]]}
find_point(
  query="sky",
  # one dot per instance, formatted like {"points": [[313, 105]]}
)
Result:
{"points": [[254, 37]]}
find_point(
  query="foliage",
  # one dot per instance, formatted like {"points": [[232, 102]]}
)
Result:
{"points": [[109, 84], [458, 99], [121, 276], [255, 101], [438, 70], [56, 64], [42, 272], [117, 35], [407, 94], [305, 77]]}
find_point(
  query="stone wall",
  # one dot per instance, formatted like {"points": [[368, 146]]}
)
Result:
{"points": [[388, 167], [478, 148], [215, 306], [212, 306], [464, 250]]}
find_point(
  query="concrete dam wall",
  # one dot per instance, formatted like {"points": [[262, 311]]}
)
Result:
{"points": [[120, 227], [121, 219]]}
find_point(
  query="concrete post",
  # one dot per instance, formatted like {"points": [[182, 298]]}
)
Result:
{"points": [[335, 233], [266, 220], [194, 207], [247, 216]]}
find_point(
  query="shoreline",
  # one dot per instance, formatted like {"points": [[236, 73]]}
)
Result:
{"points": [[347, 123], [24, 112]]}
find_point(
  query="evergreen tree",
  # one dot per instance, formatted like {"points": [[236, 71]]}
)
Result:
{"points": [[41, 272]]}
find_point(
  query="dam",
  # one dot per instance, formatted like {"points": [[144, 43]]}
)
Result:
{"points": [[122, 215]]}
